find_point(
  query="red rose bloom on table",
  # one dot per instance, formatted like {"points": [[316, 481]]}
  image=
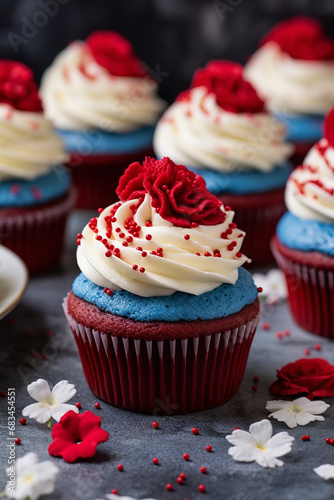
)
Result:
{"points": [[18, 87], [115, 53], [178, 194], [302, 38], [77, 436], [312, 377], [233, 93]]}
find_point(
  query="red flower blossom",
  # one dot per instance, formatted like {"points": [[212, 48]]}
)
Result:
{"points": [[77, 436], [178, 195], [225, 80], [18, 87], [302, 38], [312, 377], [115, 53], [329, 127]]}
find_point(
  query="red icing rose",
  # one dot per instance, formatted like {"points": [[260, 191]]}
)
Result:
{"points": [[115, 53], [225, 80], [18, 87], [77, 436], [312, 377], [329, 127], [302, 38], [178, 195]]}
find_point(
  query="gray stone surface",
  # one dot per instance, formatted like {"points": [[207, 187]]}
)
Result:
{"points": [[133, 442]]}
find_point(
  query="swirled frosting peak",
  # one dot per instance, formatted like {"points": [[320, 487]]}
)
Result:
{"points": [[100, 84], [310, 189], [167, 234]]}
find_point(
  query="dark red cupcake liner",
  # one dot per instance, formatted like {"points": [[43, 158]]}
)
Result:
{"points": [[36, 233], [310, 290], [164, 377], [257, 215], [96, 176]]}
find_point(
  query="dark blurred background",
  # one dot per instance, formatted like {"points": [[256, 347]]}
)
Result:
{"points": [[173, 37]]}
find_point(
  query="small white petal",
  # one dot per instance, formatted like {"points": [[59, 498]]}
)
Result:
{"points": [[315, 407], [39, 413], [63, 391], [262, 431], [277, 405], [39, 390], [285, 416], [241, 437], [325, 471], [243, 454], [267, 460], [280, 444], [58, 411]]}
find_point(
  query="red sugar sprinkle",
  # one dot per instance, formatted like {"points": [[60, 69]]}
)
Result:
{"points": [[121, 235], [142, 269], [148, 224], [118, 229], [209, 448], [317, 347], [328, 440], [148, 237], [260, 289], [287, 333], [144, 254], [182, 475], [254, 388], [180, 480], [129, 239], [201, 488], [197, 253], [169, 487], [125, 243], [3, 394], [23, 421], [279, 335], [108, 253], [186, 236], [232, 225], [120, 467], [186, 457], [78, 242], [230, 248], [238, 254], [332, 442], [203, 470], [139, 249], [307, 352], [306, 437], [78, 405], [236, 428], [36, 192], [114, 491], [227, 208], [135, 267], [265, 326], [17, 441], [207, 254], [100, 210], [155, 461], [113, 219], [195, 431], [155, 425], [97, 406], [256, 378], [98, 237], [14, 189], [194, 224]]}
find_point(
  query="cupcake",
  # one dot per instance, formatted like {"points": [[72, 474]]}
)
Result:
{"points": [[35, 195], [162, 313], [221, 129], [104, 105], [294, 70], [304, 243]]}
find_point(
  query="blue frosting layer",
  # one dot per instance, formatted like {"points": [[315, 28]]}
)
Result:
{"points": [[219, 303], [90, 142], [306, 235], [245, 182], [302, 127], [24, 193]]}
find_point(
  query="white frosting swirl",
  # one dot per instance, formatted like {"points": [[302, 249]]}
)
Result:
{"points": [[291, 85], [179, 269], [198, 133], [310, 189], [79, 94], [29, 145]]}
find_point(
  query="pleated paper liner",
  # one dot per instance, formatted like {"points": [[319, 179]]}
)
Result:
{"points": [[310, 289], [36, 233], [164, 377], [257, 215]]}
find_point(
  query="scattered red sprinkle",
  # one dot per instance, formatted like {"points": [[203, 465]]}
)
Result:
{"points": [[135, 267], [328, 440], [182, 475], [148, 237], [144, 254], [155, 425], [23, 421], [180, 480], [100, 210], [307, 352], [256, 378], [332, 442], [14, 189], [265, 326], [108, 253], [186, 457], [142, 269], [139, 249], [36, 193], [203, 470], [43, 356], [97, 406], [49, 333], [306, 437], [155, 461], [236, 428], [317, 347], [279, 335], [169, 487], [78, 242], [129, 239], [148, 224], [78, 405], [254, 388], [3, 394], [287, 333], [227, 208], [124, 243], [238, 254], [260, 289], [195, 431], [209, 448], [201, 488], [186, 236], [120, 467], [17, 441], [114, 491], [118, 229], [207, 254]]}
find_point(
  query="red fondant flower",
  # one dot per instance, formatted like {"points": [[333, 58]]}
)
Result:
{"points": [[115, 53], [233, 93], [77, 436], [312, 377], [18, 87], [302, 38], [178, 195], [329, 127]]}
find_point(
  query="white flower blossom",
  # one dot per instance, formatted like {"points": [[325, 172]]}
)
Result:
{"points": [[325, 471], [259, 445], [31, 478], [300, 411], [50, 403], [273, 285]]}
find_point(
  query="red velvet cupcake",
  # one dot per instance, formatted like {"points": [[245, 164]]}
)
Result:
{"points": [[162, 313], [104, 104]]}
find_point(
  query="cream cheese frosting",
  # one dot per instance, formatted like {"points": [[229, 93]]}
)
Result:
{"points": [[29, 146], [291, 85], [79, 94], [310, 189], [163, 258], [197, 132]]}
